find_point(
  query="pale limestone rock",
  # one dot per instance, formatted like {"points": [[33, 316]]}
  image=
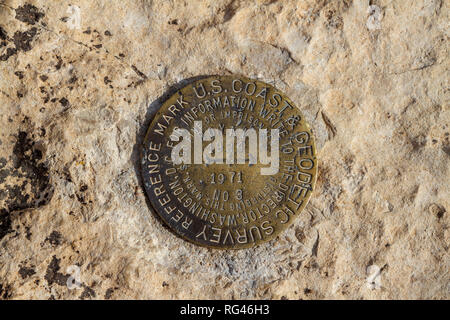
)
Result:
{"points": [[80, 80]]}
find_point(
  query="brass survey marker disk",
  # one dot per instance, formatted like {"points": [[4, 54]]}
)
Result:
{"points": [[230, 205]]}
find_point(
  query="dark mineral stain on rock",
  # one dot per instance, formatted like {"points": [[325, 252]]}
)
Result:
{"points": [[9, 52], [5, 291], [3, 194], [64, 102], [26, 272], [53, 275], [73, 79], [59, 63], [446, 149], [108, 293], [54, 238], [5, 223], [28, 171], [87, 293], [22, 40], [3, 34], [138, 72], [19, 74], [28, 233], [26, 158], [28, 14], [2, 162]]}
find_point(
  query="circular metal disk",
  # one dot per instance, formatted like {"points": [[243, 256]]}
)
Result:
{"points": [[229, 205]]}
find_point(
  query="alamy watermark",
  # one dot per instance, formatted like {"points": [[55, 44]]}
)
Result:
{"points": [[373, 279], [213, 153], [74, 280]]}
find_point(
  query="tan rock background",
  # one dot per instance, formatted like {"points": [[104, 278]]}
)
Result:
{"points": [[79, 81]]}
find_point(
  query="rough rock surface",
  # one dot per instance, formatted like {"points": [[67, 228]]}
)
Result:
{"points": [[80, 79]]}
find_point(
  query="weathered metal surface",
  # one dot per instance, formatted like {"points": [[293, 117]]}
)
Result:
{"points": [[229, 205]]}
